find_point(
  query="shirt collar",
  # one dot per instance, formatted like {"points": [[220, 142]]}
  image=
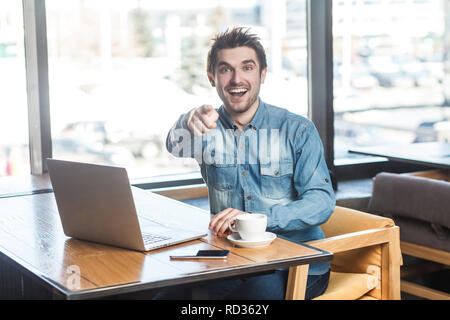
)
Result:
{"points": [[255, 123], [228, 123], [258, 118]]}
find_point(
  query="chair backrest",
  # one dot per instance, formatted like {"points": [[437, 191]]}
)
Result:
{"points": [[345, 220], [418, 205], [411, 197]]}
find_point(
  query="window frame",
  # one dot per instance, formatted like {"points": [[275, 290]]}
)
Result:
{"points": [[320, 96], [36, 60]]}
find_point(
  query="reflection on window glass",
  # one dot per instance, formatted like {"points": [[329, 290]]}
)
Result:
{"points": [[14, 154], [391, 73], [122, 72]]}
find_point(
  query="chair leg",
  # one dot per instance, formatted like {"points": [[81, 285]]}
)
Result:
{"points": [[296, 285], [394, 265], [390, 270]]}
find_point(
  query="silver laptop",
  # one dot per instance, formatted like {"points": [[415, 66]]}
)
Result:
{"points": [[95, 203]]}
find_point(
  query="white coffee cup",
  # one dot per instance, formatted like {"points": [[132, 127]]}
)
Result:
{"points": [[251, 227]]}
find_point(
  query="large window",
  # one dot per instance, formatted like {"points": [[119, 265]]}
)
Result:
{"points": [[14, 154], [391, 73], [122, 72]]}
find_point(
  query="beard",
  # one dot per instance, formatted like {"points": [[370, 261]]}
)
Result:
{"points": [[240, 107]]}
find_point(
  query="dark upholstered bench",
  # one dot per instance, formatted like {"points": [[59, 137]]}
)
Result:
{"points": [[420, 205]]}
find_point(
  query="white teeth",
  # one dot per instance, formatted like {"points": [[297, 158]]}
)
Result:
{"points": [[237, 90]]}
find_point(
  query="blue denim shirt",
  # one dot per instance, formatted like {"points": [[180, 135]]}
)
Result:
{"points": [[274, 166]]}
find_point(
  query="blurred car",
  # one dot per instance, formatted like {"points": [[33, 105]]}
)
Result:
{"points": [[350, 101], [443, 131], [426, 132], [77, 150], [360, 76], [139, 143], [394, 79], [364, 81], [388, 72]]}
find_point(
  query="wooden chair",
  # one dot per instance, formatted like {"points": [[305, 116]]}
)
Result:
{"points": [[417, 236], [367, 258]]}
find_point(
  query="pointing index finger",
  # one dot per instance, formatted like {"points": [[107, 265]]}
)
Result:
{"points": [[206, 108]]}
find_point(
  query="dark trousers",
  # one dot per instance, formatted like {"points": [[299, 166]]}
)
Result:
{"points": [[264, 287]]}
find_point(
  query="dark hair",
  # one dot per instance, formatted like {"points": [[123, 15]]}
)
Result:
{"points": [[236, 37]]}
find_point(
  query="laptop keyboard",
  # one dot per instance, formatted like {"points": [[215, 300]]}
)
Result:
{"points": [[152, 238]]}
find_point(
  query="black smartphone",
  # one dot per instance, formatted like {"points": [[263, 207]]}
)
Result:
{"points": [[205, 254]]}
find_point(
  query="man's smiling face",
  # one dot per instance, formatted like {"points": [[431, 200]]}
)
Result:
{"points": [[238, 79]]}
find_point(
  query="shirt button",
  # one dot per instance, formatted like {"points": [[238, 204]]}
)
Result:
{"points": [[249, 198], [326, 180]]}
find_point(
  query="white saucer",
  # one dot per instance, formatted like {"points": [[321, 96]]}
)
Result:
{"points": [[238, 242]]}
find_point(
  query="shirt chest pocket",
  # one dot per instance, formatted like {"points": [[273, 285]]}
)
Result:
{"points": [[276, 181], [222, 176]]}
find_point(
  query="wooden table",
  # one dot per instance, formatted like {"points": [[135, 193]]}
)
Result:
{"points": [[431, 154], [33, 243]]}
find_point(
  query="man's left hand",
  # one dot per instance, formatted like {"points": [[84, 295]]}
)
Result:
{"points": [[220, 222]]}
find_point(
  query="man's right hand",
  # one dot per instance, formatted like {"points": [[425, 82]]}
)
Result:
{"points": [[202, 119]]}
